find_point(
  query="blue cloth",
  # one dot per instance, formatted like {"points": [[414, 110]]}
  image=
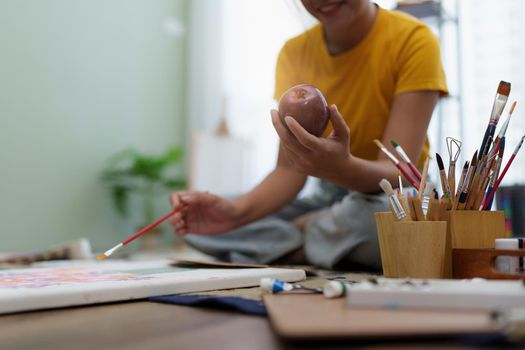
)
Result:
{"points": [[246, 306]]}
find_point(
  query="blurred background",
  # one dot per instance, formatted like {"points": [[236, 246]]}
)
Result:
{"points": [[108, 105]]}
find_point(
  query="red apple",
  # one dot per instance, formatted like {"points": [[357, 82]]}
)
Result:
{"points": [[306, 104]]}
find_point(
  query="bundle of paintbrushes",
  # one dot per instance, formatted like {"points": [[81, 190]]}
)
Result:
{"points": [[423, 204], [479, 178], [415, 207]]}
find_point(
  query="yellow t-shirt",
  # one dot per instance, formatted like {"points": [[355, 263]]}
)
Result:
{"points": [[399, 54]]}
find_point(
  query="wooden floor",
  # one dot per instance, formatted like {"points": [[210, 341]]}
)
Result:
{"points": [[152, 326]]}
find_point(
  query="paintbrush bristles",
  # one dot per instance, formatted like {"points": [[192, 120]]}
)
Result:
{"points": [[504, 88], [395, 205], [511, 110], [386, 187], [441, 166], [379, 144], [427, 195], [423, 182], [387, 152], [474, 160], [400, 151]]}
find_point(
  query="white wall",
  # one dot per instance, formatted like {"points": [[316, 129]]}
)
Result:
{"points": [[80, 80], [253, 34]]}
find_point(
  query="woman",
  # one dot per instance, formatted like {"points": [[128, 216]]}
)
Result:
{"points": [[382, 70]]}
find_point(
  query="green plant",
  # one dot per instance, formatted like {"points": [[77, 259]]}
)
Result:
{"points": [[148, 176]]}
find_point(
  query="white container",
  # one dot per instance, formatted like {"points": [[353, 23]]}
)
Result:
{"points": [[510, 264]]}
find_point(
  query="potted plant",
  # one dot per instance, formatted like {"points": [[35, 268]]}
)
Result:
{"points": [[132, 175]]}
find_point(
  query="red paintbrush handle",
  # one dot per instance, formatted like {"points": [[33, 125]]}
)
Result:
{"points": [[152, 225], [496, 185], [414, 171], [407, 175]]}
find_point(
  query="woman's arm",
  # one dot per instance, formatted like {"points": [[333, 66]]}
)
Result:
{"points": [[330, 158], [279, 188], [207, 213]]}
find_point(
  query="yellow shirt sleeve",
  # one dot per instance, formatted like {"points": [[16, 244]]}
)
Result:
{"points": [[419, 64], [285, 74]]}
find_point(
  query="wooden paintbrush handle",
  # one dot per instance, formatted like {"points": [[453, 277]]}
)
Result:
{"points": [[452, 180]]}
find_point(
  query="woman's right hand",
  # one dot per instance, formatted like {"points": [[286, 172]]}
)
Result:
{"points": [[203, 213]]}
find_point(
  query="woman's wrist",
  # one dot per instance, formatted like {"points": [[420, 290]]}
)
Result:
{"points": [[344, 172], [241, 210]]}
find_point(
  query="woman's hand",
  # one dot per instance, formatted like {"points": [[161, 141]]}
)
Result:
{"points": [[311, 155], [203, 213]]}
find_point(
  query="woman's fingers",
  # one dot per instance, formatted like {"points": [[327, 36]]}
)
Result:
{"points": [[304, 137], [341, 129], [177, 220], [181, 227], [286, 136], [174, 199]]}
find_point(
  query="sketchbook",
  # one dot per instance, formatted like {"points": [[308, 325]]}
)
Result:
{"points": [[77, 283]]}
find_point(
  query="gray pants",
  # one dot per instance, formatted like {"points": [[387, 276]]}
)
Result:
{"points": [[341, 229]]}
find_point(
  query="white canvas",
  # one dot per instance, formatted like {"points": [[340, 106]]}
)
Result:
{"points": [[70, 284]]}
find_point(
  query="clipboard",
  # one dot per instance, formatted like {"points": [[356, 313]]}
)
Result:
{"points": [[314, 317]]}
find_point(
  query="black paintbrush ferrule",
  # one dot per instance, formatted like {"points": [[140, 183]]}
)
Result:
{"points": [[491, 129]]}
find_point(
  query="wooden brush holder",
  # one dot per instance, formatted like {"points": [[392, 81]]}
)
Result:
{"points": [[415, 249], [472, 229], [471, 263]]}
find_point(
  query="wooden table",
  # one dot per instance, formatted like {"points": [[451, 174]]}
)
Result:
{"points": [[135, 325], [152, 326]]}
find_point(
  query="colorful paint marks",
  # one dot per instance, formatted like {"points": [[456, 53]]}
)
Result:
{"points": [[59, 276]]}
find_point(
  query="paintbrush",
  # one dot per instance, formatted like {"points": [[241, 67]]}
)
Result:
{"points": [[405, 157], [453, 157], [500, 100], [411, 210], [140, 233], [505, 125], [481, 193], [423, 183], [500, 178], [486, 173], [443, 205], [402, 199], [478, 204], [420, 216], [501, 134], [443, 176], [427, 195], [460, 185], [468, 179], [477, 179], [396, 206], [495, 174], [396, 163]]}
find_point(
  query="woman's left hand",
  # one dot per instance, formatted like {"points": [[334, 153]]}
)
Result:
{"points": [[320, 157]]}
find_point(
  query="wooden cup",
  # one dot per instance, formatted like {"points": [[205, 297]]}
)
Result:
{"points": [[413, 249], [475, 228], [472, 229]]}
